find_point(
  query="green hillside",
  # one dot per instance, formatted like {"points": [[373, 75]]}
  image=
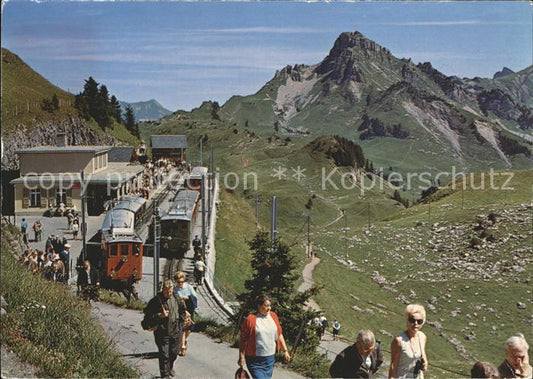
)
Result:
{"points": [[461, 253], [23, 91]]}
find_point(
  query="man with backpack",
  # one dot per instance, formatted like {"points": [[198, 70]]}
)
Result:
{"points": [[164, 315]]}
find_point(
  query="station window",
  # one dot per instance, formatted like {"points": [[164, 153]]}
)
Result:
{"points": [[113, 251], [124, 249], [35, 197], [61, 196]]}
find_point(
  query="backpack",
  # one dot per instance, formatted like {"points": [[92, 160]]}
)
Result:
{"points": [[149, 323]]}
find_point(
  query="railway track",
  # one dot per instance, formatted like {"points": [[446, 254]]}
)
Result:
{"points": [[208, 307]]}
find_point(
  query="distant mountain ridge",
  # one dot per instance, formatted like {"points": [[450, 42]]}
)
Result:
{"points": [[401, 112], [149, 110]]}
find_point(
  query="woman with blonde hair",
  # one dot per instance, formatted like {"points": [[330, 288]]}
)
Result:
{"points": [[187, 293], [408, 349]]}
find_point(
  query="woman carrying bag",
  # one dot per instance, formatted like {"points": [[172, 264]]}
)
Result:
{"points": [[188, 295], [261, 338]]}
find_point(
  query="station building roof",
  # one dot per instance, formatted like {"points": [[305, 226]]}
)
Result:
{"points": [[120, 154], [64, 149], [115, 173], [168, 142]]}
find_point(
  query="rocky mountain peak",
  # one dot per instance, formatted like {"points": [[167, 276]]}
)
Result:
{"points": [[504, 72], [350, 40], [350, 51]]}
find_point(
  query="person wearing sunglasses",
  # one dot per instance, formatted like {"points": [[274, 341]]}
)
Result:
{"points": [[408, 349], [516, 363]]}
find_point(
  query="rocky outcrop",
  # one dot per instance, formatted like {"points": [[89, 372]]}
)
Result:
{"points": [[44, 134], [503, 106], [504, 72], [295, 73], [452, 86]]}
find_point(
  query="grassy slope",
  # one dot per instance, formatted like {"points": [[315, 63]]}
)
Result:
{"points": [[49, 327], [400, 253], [22, 86], [393, 246]]}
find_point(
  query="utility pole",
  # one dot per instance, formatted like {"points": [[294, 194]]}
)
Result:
{"points": [[156, 248], [429, 209], [213, 176], [274, 221], [309, 250], [209, 194], [257, 201], [83, 223], [345, 235], [368, 211], [201, 151], [202, 194], [462, 197]]}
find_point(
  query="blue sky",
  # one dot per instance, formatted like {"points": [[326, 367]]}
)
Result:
{"points": [[182, 53]]}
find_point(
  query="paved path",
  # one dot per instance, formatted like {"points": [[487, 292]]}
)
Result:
{"points": [[205, 358]]}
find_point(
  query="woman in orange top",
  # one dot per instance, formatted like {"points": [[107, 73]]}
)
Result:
{"points": [[261, 338]]}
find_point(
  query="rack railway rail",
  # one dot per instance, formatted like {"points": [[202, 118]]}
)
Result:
{"points": [[205, 297]]}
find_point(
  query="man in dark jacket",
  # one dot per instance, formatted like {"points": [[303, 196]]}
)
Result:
{"points": [[516, 363], [167, 311], [88, 282], [360, 360]]}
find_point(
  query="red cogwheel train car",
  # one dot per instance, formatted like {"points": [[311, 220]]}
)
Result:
{"points": [[121, 246]]}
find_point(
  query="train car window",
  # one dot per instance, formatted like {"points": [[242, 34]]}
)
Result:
{"points": [[137, 249], [124, 249], [113, 250]]}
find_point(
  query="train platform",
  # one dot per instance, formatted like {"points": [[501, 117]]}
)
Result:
{"points": [[58, 226]]}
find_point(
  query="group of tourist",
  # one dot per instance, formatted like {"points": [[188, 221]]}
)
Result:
{"points": [[153, 175], [53, 263], [409, 359]]}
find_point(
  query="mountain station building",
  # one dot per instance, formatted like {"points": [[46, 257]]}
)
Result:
{"points": [[171, 147], [50, 175]]}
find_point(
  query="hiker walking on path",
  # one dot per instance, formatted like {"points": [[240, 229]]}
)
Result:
{"points": [[336, 330], [199, 270], [197, 246], [187, 293], [408, 349], [23, 229], [70, 219], [261, 338], [360, 360], [37, 229], [75, 229], [323, 326], [166, 312]]}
